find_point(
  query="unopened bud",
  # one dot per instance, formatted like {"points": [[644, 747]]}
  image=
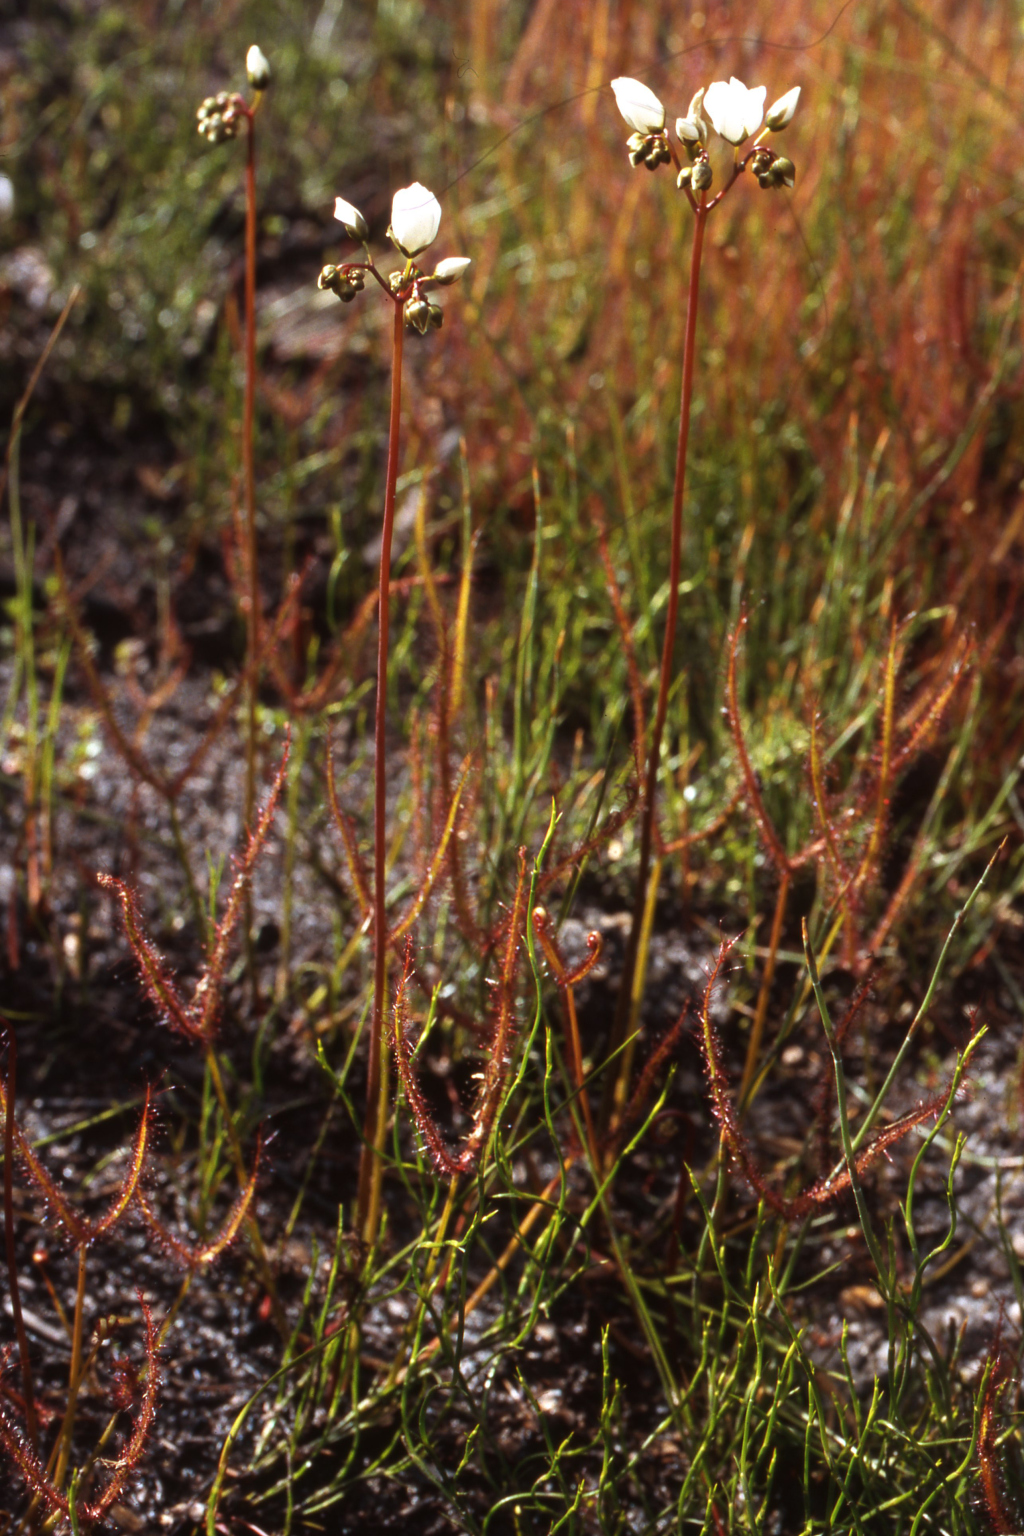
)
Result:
{"points": [[636, 141], [783, 172], [450, 269], [435, 316], [417, 315], [685, 177], [257, 69], [702, 177], [351, 220], [637, 157], [344, 284], [780, 113], [395, 281]]}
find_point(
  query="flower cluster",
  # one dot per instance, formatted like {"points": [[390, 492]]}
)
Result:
{"points": [[415, 221], [218, 117], [734, 112]]}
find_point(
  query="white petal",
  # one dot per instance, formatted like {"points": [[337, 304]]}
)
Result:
{"points": [[688, 129], [753, 110], [415, 218], [451, 268], [734, 111], [355, 224], [781, 112], [725, 112], [638, 105]]}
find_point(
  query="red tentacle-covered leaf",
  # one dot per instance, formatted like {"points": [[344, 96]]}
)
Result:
{"points": [[192, 1258], [498, 1059], [448, 1163], [205, 1001], [356, 868], [65, 1213], [132, 1453], [580, 851], [133, 1174], [32, 1469], [823, 1190], [648, 1080], [159, 984]]}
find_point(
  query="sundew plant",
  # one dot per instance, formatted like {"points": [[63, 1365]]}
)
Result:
{"points": [[510, 905]]}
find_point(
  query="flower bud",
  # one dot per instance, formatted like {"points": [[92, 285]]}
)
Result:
{"points": [[780, 113], [417, 315], [783, 172], [701, 177], [685, 177], [395, 281], [257, 68], [658, 152], [345, 284], [637, 157], [435, 316], [451, 269], [692, 130], [352, 220], [636, 141], [217, 118]]}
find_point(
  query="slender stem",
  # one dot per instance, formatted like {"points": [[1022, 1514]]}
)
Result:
{"points": [[252, 615], [368, 1209], [12, 1266], [668, 649], [74, 1375]]}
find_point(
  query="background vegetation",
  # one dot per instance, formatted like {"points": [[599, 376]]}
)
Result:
{"points": [[653, 1349]]}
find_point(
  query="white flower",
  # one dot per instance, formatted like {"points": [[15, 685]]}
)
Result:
{"points": [[451, 269], [415, 219], [257, 68], [355, 224], [735, 111], [638, 105], [692, 128], [781, 112]]}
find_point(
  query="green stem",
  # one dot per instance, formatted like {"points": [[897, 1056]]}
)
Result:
{"points": [[74, 1375]]}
